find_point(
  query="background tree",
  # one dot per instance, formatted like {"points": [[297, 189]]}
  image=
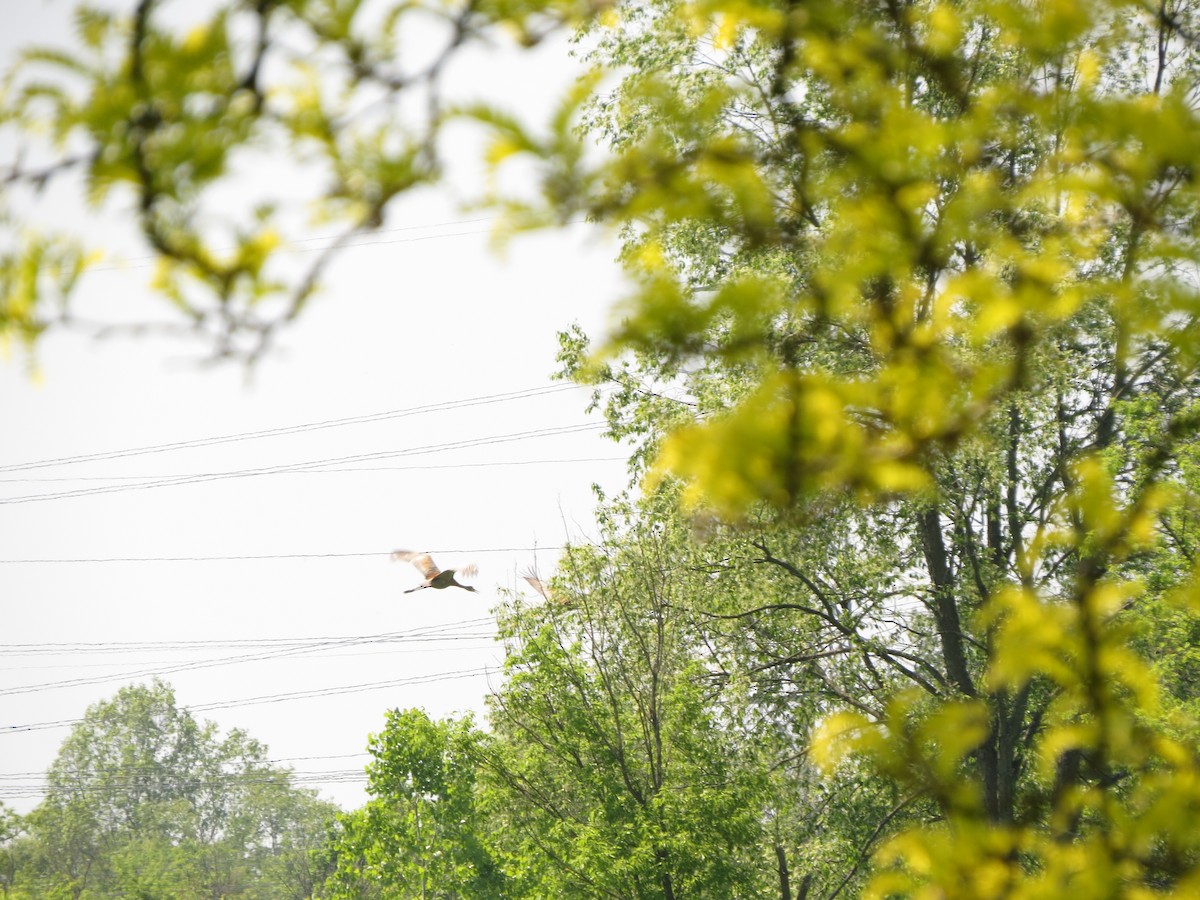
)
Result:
{"points": [[11, 849], [640, 750], [144, 800]]}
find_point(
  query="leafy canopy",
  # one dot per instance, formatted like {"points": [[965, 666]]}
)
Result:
{"points": [[144, 800]]}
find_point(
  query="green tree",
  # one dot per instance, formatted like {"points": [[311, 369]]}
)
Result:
{"points": [[620, 764], [11, 851], [933, 362], [421, 834], [146, 801]]}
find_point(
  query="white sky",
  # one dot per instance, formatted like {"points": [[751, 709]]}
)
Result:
{"points": [[424, 315]]}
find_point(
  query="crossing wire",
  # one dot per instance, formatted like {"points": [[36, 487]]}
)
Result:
{"points": [[488, 441], [263, 556], [233, 643], [147, 767], [322, 471], [465, 403], [281, 698], [142, 262], [82, 681], [108, 788], [118, 779]]}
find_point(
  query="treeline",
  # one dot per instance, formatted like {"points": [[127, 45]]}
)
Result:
{"points": [[667, 729], [145, 801], [663, 730]]}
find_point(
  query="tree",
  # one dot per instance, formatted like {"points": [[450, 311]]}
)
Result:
{"points": [[626, 761], [421, 834], [10, 850], [143, 799], [642, 744], [933, 360]]}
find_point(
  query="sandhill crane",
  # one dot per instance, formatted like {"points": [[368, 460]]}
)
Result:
{"points": [[434, 577], [534, 580], [536, 583]]}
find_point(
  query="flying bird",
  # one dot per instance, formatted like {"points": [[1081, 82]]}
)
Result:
{"points": [[543, 588], [435, 577], [536, 583]]}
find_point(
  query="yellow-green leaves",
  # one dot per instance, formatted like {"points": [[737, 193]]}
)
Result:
{"points": [[953, 218], [841, 735], [795, 437], [39, 272], [912, 743]]}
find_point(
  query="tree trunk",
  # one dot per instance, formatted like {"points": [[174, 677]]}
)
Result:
{"points": [[945, 610], [785, 888]]}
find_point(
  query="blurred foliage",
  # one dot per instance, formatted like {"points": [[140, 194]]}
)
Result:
{"points": [[163, 113], [923, 274]]}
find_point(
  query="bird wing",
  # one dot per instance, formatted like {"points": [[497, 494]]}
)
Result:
{"points": [[468, 571], [423, 561], [537, 584]]}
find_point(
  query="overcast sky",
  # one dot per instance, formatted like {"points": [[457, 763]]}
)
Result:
{"points": [[109, 573]]}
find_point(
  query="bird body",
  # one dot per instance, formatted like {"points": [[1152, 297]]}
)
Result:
{"points": [[435, 577]]}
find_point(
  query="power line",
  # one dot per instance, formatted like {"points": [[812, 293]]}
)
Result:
{"points": [[108, 787], [264, 556], [120, 779], [455, 675], [488, 441], [146, 767], [486, 642], [148, 559], [289, 429], [475, 465], [282, 698], [451, 629], [142, 262], [284, 759], [273, 653], [239, 643], [107, 772], [360, 240]]}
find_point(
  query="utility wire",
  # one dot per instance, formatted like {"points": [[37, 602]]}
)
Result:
{"points": [[361, 240], [281, 698], [289, 429], [475, 465], [109, 788], [145, 559], [486, 642], [113, 780], [266, 556], [488, 441], [435, 677], [141, 262], [147, 767], [192, 665], [235, 643], [284, 759]]}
